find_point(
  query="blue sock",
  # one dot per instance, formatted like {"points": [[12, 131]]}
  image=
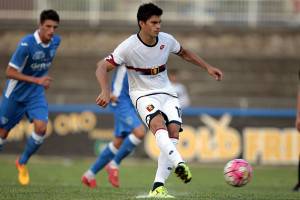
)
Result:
{"points": [[32, 145], [126, 148], [105, 157]]}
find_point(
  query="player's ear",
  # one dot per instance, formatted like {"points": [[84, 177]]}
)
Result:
{"points": [[141, 23]]}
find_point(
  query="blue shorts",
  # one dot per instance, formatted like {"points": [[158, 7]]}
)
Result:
{"points": [[126, 119], [11, 111]]}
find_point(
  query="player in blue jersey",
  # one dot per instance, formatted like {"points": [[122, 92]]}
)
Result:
{"points": [[128, 133], [24, 94]]}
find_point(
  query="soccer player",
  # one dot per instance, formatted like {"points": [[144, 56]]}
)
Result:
{"points": [[145, 55], [297, 186], [27, 74], [128, 132]]}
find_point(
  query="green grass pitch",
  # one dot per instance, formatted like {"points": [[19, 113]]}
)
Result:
{"points": [[59, 179]]}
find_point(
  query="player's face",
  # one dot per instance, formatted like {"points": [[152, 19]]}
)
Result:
{"points": [[47, 30], [152, 26]]}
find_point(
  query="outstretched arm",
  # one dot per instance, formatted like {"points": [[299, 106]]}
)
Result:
{"points": [[196, 60], [103, 67]]}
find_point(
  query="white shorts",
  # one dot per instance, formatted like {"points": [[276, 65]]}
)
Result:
{"points": [[166, 103]]}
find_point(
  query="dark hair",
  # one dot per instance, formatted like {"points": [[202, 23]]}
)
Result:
{"points": [[147, 10], [49, 14]]}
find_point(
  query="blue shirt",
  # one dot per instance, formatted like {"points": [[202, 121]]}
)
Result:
{"points": [[120, 89], [32, 58]]}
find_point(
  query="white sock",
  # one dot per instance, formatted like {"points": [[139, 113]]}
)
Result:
{"points": [[89, 174], [37, 138], [164, 166], [135, 140], [113, 164], [167, 147]]}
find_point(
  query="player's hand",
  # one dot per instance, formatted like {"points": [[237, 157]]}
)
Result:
{"points": [[113, 99], [103, 99], [298, 123], [215, 72], [44, 81]]}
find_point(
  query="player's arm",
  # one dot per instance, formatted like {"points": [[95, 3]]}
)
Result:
{"points": [[118, 84], [13, 73], [196, 60], [103, 67]]}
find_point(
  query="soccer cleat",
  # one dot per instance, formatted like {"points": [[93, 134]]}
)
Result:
{"points": [[23, 173], [183, 172], [297, 188], [113, 175], [89, 182], [159, 192]]}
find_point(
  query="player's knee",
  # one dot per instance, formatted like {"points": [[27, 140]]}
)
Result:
{"points": [[40, 130], [173, 130], [140, 132], [40, 127], [156, 122], [117, 142]]}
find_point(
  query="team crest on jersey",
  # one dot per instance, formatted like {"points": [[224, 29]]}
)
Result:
{"points": [[162, 46], [38, 55], [150, 107]]}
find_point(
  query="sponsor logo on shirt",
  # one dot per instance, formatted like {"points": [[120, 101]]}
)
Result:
{"points": [[40, 66], [38, 55], [24, 44], [162, 46]]}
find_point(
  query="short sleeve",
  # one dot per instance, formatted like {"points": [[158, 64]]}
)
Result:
{"points": [[175, 46], [119, 55], [20, 55]]}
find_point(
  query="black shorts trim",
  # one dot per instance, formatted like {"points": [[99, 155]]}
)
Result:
{"points": [[153, 94], [176, 122]]}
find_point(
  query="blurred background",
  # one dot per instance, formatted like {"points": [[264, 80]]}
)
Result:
{"points": [[249, 114]]}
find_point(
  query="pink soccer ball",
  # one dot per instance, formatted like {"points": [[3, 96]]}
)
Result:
{"points": [[238, 172]]}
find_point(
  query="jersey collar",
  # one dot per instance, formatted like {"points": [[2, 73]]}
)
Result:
{"points": [[145, 43], [38, 39]]}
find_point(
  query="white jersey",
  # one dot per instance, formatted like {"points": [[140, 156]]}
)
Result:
{"points": [[139, 57]]}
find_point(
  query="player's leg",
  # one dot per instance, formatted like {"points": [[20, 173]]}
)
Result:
{"points": [[34, 141], [129, 144], [157, 124], [172, 110], [11, 113], [127, 121], [149, 108], [165, 166], [37, 113], [103, 159]]}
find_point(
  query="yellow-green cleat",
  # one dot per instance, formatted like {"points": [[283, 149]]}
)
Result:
{"points": [[183, 172], [23, 175], [159, 192]]}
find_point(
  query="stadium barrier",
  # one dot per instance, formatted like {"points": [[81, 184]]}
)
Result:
{"points": [[210, 134]]}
